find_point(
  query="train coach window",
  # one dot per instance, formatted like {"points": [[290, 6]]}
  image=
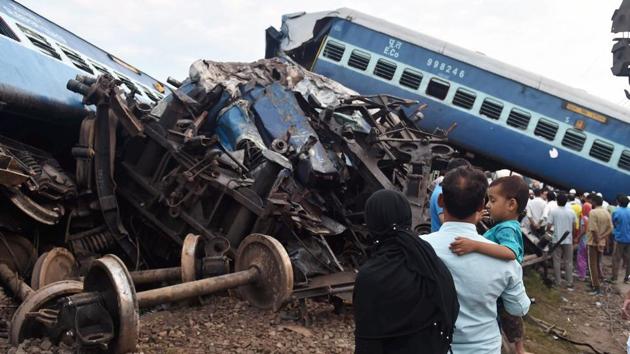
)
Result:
{"points": [[624, 160], [334, 50], [601, 150], [100, 68], [518, 119], [359, 60], [574, 139], [411, 79], [385, 69], [40, 42], [491, 108], [6, 31], [125, 80], [464, 98], [149, 94], [76, 59], [546, 129], [438, 88]]}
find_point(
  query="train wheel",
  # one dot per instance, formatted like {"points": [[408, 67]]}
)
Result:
{"points": [[275, 281], [54, 265], [109, 277], [23, 326]]}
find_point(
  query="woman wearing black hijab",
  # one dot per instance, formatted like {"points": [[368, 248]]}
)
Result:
{"points": [[404, 296]]}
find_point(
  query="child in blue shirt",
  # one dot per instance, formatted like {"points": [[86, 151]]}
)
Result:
{"points": [[507, 199]]}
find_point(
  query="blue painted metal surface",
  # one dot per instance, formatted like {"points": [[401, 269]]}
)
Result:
{"points": [[35, 79], [514, 144], [279, 115], [33, 84], [485, 81], [235, 125], [504, 145], [37, 22]]}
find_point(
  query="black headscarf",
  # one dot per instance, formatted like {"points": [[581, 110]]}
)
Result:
{"points": [[403, 287]]}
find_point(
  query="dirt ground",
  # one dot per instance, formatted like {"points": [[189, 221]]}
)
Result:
{"points": [[577, 315], [225, 324]]}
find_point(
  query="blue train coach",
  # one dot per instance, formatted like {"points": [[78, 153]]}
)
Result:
{"points": [[38, 57], [503, 116]]}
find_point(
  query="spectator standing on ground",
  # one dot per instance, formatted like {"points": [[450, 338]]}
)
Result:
{"points": [[507, 198], [551, 204], [480, 280], [599, 229], [573, 197], [581, 259], [575, 204], [621, 232], [605, 204], [404, 297], [533, 222], [562, 220], [436, 212]]}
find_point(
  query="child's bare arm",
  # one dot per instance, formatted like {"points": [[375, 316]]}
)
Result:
{"points": [[462, 246]]}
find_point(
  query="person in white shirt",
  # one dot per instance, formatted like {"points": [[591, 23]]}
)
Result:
{"points": [[562, 219], [573, 199], [604, 202], [535, 210], [480, 280], [551, 204]]}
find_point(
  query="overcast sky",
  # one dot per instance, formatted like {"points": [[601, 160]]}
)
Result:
{"points": [[568, 41]]}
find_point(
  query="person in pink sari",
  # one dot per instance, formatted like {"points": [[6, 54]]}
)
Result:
{"points": [[581, 263]]}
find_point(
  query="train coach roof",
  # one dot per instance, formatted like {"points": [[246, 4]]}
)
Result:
{"points": [[300, 26]]}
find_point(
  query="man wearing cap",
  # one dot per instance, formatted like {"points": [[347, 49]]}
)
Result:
{"points": [[533, 222], [573, 197], [604, 202], [576, 205]]}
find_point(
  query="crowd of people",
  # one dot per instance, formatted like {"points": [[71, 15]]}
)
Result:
{"points": [[584, 229], [455, 289]]}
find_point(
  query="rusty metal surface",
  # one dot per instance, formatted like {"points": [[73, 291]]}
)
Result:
{"points": [[156, 275], [274, 283], [12, 280], [108, 275], [192, 249], [54, 265], [17, 252], [244, 148], [22, 326], [196, 288]]}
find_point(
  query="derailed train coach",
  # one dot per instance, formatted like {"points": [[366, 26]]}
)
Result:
{"points": [[261, 148], [552, 132], [113, 166], [238, 149]]}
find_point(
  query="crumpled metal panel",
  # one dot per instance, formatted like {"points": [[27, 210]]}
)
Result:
{"points": [[234, 125], [235, 76], [280, 116]]}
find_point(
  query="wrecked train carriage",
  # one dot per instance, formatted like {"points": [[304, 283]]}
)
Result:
{"points": [[267, 148]]}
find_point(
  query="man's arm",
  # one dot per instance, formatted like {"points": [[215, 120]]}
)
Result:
{"points": [[515, 299], [532, 223], [462, 246], [549, 222]]}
